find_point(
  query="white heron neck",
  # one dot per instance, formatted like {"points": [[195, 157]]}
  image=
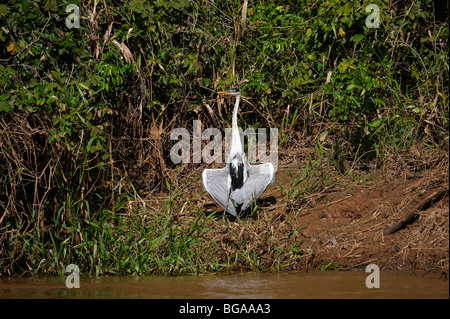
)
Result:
{"points": [[236, 145], [235, 111]]}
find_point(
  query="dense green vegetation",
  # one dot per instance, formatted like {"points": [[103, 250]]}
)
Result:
{"points": [[85, 113]]}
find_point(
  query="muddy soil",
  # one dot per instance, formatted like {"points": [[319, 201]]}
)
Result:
{"points": [[348, 227]]}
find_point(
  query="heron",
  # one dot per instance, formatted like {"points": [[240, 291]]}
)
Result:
{"points": [[238, 183]]}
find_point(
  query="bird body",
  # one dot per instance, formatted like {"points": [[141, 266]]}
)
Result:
{"points": [[238, 183]]}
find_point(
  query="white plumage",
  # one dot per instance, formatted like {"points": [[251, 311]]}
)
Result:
{"points": [[238, 183]]}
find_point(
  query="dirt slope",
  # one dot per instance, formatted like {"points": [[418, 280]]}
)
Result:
{"points": [[341, 225]]}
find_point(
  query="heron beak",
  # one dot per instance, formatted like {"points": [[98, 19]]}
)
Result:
{"points": [[224, 92]]}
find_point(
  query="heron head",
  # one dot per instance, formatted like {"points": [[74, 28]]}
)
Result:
{"points": [[232, 92]]}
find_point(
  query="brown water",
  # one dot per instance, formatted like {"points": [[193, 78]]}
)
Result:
{"points": [[393, 284]]}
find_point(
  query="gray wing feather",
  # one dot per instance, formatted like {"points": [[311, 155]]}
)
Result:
{"points": [[259, 177], [215, 182]]}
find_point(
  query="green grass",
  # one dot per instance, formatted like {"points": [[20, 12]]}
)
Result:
{"points": [[125, 242], [135, 242]]}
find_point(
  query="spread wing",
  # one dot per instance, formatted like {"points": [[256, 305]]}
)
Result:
{"points": [[259, 177], [215, 182]]}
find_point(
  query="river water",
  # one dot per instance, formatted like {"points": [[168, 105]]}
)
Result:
{"points": [[328, 284]]}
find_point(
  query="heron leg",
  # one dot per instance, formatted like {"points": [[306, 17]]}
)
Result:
{"points": [[224, 212], [226, 206], [223, 217]]}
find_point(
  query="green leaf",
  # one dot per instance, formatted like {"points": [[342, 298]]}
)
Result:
{"points": [[3, 10], [5, 106], [4, 96], [106, 156], [375, 123], [50, 5], [357, 37], [308, 33]]}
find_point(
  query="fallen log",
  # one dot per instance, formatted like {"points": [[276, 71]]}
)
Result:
{"points": [[411, 215]]}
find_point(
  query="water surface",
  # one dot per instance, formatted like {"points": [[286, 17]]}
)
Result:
{"points": [[329, 284]]}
